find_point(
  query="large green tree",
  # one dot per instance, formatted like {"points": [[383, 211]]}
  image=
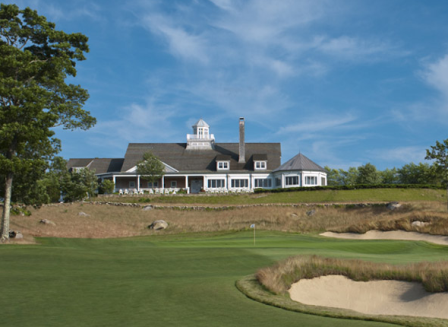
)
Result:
{"points": [[368, 175], [439, 153], [150, 168], [35, 61]]}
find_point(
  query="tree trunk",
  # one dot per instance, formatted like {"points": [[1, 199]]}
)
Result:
{"points": [[4, 230]]}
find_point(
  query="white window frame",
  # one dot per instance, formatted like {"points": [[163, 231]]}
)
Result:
{"points": [[289, 179], [156, 184], [131, 184], [222, 165], [310, 180], [239, 183], [216, 183], [263, 182], [260, 165], [173, 184]]}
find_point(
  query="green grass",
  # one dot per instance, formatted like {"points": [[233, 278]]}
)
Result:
{"points": [[176, 280], [363, 195]]}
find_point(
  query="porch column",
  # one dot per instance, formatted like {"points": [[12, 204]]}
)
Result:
{"points": [[283, 181], [115, 183], [138, 182], [163, 182], [186, 184]]}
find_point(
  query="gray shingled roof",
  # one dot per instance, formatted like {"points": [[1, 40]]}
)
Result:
{"points": [[300, 162], [177, 156], [100, 165], [201, 123]]}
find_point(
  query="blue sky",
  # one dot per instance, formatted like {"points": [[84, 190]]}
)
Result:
{"points": [[343, 82]]}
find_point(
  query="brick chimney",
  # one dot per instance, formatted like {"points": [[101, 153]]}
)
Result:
{"points": [[242, 147]]}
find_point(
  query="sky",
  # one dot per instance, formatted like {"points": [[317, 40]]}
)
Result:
{"points": [[344, 82]]}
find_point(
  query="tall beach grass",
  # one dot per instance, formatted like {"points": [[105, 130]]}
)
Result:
{"points": [[279, 278]]}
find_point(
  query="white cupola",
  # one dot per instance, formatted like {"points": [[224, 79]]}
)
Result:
{"points": [[201, 139]]}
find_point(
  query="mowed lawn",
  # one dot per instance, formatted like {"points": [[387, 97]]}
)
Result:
{"points": [[175, 280]]}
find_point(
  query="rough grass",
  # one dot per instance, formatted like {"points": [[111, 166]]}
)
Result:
{"points": [[104, 221], [411, 219], [279, 278]]}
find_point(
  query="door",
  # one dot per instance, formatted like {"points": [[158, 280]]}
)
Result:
{"points": [[196, 186]]}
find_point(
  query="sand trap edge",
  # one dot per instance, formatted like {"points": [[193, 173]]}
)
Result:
{"points": [[251, 288], [390, 235]]}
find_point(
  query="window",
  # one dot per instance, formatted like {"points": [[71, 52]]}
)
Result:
{"points": [[156, 184], [223, 165], [310, 180], [216, 183], [173, 183], [132, 184], [263, 182], [292, 180], [278, 181], [260, 164], [240, 183]]}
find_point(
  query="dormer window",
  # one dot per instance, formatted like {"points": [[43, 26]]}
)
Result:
{"points": [[223, 162], [260, 165], [223, 165]]}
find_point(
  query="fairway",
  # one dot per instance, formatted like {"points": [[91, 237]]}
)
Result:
{"points": [[176, 280]]}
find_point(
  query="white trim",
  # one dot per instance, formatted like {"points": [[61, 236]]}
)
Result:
{"points": [[171, 169]]}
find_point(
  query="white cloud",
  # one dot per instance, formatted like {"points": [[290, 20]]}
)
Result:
{"points": [[436, 74], [181, 43], [405, 155], [137, 123], [317, 124]]}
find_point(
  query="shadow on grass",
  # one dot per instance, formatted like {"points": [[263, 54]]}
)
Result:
{"points": [[250, 287]]}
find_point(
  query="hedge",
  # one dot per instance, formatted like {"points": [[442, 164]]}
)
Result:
{"points": [[350, 187]]}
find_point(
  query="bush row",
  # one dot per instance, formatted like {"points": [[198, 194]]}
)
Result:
{"points": [[350, 187]]}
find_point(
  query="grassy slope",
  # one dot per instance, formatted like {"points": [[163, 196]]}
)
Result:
{"points": [[373, 195], [177, 280]]}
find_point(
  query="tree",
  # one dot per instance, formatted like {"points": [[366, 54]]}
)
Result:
{"points": [[333, 176], [106, 187], [349, 177], [417, 174], [439, 153], [35, 60], [150, 168], [368, 175], [79, 185], [390, 176]]}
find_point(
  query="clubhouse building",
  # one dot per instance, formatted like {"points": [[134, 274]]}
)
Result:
{"points": [[201, 165]]}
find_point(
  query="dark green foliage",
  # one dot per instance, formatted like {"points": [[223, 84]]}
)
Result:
{"points": [[150, 168], [79, 185], [439, 153], [35, 60], [349, 187], [417, 174], [106, 187], [368, 174]]}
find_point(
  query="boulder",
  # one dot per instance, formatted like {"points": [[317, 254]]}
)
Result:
{"points": [[147, 208], [83, 214], [158, 225], [47, 222], [311, 213], [393, 205], [418, 223], [15, 234]]}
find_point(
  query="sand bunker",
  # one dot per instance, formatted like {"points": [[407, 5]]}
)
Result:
{"points": [[374, 297], [391, 235]]}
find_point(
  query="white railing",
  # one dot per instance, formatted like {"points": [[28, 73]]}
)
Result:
{"points": [[195, 137]]}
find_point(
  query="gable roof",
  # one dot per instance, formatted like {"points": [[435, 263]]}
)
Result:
{"points": [[100, 165], [177, 156], [300, 162]]}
